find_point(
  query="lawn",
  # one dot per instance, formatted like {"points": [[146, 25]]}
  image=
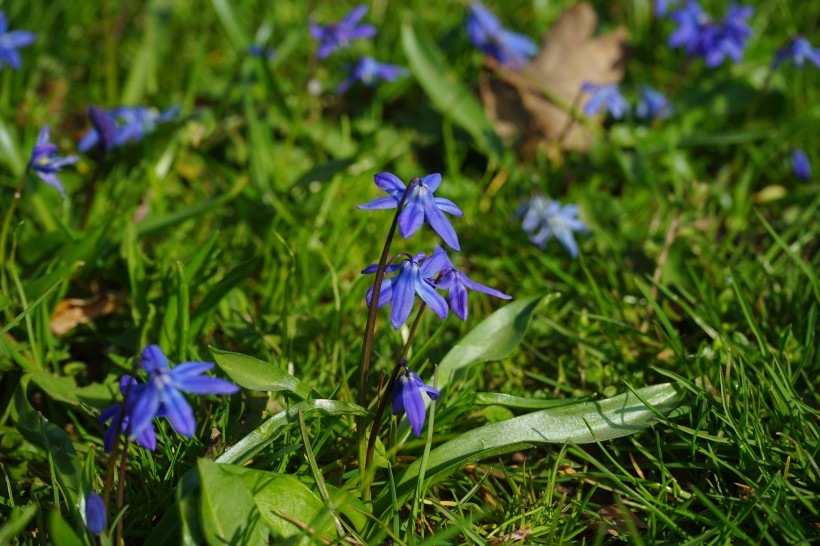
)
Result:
{"points": [[590, 229]]}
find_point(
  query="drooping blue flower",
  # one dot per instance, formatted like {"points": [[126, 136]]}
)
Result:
{"points": [[509, 48], [339, 35], [456, 282], [801, 165], [607, 97], [406, 395], [122, 125], [94, 513], [46, 163], [544, 219], [416, 275], [702, 37], [10, 42], [147, 437], [419, 206], [798, 51], [368, 70], [652, 104], [258, 50]]}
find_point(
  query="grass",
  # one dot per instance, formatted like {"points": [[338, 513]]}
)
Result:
{"points": [[236, 227]]}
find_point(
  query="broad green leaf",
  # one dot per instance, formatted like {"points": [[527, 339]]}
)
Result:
{"points": [[519, 402], [39, 431], [65, 389], [228, 512], [576, 423], [493, 339], [256, 375], [451, 97], [60, 532], [282, 499], [274, 427]]}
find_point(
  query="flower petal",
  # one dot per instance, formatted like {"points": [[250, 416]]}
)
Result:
{"points": [[412, 215], [380, 203], [457, 298], [404, 294], [432, 298], [472, 285], [448, 206], [432, 181], [413, 406], [179, 412], [153, 359], [439, 222]]}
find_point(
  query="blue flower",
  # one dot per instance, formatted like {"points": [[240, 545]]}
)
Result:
{"points": [[258, 50], [122, 125], [544, 219], [605, 96], [662, 7], [368, 70], [419, 206], [46, 163], [801, 165], [147, 437], [416, 275], [702, 37], [457, 283], [406, 395], [94, 513], [486, 33], [10, 42], [652, 103], [161, 396], [798, 50], [339, 35]]}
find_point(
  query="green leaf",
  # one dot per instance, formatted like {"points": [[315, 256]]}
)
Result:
{"points": [[577, 423], [274, 427], [16, 522], [39, 431], [493, 339], [281, 499], [65, 389], [228, 512], [451, 97], [60, 532], [519, 402], [256, 375]]}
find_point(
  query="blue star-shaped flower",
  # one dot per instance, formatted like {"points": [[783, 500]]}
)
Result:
{"points": [[605, 96], [798, 51], [457, 283], [714, 42], [94, 513], [122, 125], [419, 206], [652, 104], [147, 437], [46, 163], [10, 42], [406, 395], [416, 275], [801, 165], [486, 33], [339, 35], [544, 219], [368, 71]]}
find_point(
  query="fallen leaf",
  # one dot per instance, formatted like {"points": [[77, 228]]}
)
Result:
{"points": [[537, 100], [71, 312], [616, 517]]}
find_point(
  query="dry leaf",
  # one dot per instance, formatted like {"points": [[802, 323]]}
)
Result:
{"points": [[616, 517], [73, 311], [535, 101]]}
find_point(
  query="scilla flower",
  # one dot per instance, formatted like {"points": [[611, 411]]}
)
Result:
{"points": [[604, 97], [652, 104], [94, 513], [46, 163], [457, 283], [416, 276], [406, 395], [486, 33], [798, 51], [544, 219], [801, 165], [339, 35], [419, 206], [10, 42], [368, 70]]}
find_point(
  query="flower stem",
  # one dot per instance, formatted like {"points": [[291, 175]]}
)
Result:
{"points": [[367, 343], [18, 192], [385, 395]]}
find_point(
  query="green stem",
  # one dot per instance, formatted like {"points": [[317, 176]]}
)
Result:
{"points": [[367, 343], [18, 192], [385, 395]]}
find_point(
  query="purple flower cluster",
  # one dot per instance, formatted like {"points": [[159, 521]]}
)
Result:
{"points": [[509, 48], [607, 97], [544, 219], [337, 36], [798, 51], [160, 396], [713, 41], [420, 275]]}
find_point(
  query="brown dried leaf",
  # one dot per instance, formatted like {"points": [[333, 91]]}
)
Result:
{"points": [[71, 312], [536, 100]]}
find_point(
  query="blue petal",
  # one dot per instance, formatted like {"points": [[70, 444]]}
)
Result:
{"points": [[153, 359], [432, 298], [199, 384], [94, 513], [448, 206], [412, 215], [413, 406], [566, 238], [432, 181], [457, 297], [144, 407], [477, 287], [179, 412], [403, 296], [385, 294], [437, 262], [439, 222], [390, 183], [380, 203]]}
